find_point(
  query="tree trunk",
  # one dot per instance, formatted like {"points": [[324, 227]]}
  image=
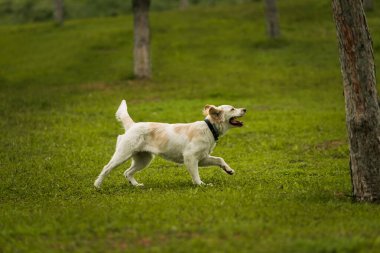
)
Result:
{"points": [[368, 5], [58, 12], [362, 108], [142, 69], [273, 27], [183, 4]]}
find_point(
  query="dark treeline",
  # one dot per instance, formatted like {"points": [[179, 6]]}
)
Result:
{"points": [[19, 11]]}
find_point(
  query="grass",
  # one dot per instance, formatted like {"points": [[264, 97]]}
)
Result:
{"points": [[60, 88]]}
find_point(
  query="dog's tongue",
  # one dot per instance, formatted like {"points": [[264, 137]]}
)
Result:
{"points": [[235, 122]]}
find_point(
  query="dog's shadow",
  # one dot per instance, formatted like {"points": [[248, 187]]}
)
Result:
{"points": [[122, 188]]}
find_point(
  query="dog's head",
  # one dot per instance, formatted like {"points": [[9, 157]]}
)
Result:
{"points": [[225, 116]]}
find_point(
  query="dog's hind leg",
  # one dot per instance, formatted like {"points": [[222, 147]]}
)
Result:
{"points": [[113, 163], [140, 160], [117, 159], [125, 148]]}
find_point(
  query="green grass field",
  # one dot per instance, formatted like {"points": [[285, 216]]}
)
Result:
{"points": [[60, 88]]}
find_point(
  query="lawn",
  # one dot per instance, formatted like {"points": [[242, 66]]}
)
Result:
{"points": [[60, 88]]}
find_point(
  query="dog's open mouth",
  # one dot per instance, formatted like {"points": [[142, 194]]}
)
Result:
{"points": [[235, 122]]}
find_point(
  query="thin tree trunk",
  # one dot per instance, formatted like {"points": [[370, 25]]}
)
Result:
{"points": [[362, 108], [368, 5], [273, 27], [142, 66], [58, 12], [183, 4]]}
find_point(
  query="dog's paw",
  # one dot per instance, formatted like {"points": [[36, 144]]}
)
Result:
{"points": [[97, 184], [230, 172], [136, 184], [205, 184]]}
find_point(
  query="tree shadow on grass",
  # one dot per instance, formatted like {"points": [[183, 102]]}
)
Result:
{"points": [[324, 196], [269, 44]]}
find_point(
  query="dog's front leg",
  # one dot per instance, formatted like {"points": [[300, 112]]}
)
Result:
{"points": [[216, 161], [191, 164]]}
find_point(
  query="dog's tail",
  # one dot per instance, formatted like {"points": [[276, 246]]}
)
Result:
{"points": [[123, 116]]}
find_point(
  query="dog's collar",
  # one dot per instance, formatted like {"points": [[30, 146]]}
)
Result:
{"points": [[213, 130]]}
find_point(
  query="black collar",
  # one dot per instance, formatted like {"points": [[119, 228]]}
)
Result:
{"points": [[213, 130]]}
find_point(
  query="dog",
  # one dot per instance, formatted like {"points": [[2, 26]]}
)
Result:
{"points": [[190, 144]]}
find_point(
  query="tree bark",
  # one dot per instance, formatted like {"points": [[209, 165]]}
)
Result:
{"points": [[273, 27], [141, 53], [362, 108], [183, 4], [58, 12], [368, 5]]}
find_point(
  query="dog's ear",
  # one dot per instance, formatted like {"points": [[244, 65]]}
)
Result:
{"points": [[206, 109], [213, 111]]}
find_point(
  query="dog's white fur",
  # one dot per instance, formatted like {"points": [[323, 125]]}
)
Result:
{"points": [[190, 143]]}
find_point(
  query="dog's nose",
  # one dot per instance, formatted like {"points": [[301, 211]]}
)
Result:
{"points": [[244, 110]]}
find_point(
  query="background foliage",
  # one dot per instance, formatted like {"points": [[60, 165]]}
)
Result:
{"points": [[12, 11]]}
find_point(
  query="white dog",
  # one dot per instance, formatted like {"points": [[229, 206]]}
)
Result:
{"points": [[190, 143]]}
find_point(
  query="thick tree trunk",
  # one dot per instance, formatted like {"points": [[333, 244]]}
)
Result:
{"points": [[142, 69], [58, 12], [368, 5], [183, 4], [273, 27], [362, 108]]}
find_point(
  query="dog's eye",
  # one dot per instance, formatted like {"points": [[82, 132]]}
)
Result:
{"points": [[232, 109]]}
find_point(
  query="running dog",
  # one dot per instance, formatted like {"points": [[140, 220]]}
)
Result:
{"points": [[190, 143]]}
